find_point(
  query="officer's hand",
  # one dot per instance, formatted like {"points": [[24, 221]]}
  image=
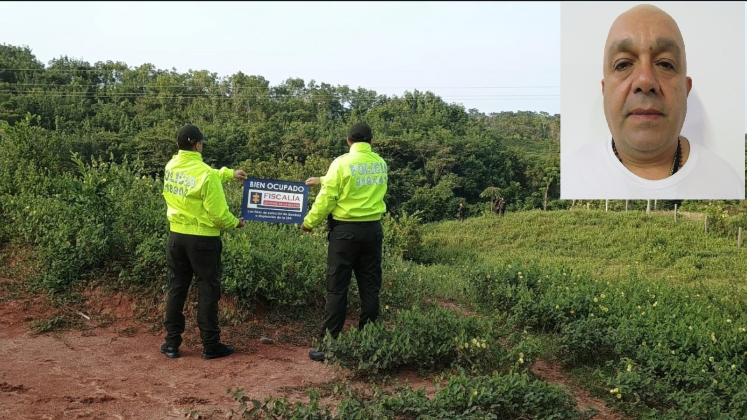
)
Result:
{"points": [[313, 181], [239, 174], [304, 228], [241, 223]]}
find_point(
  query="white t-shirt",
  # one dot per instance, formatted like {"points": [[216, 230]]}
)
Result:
{"points": [[593, 172]]}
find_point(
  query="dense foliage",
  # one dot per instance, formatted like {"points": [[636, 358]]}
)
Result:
{"points": [[438, 153]]}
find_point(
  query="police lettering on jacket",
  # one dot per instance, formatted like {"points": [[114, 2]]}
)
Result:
{"points": [[371, 173], [178, 183]]}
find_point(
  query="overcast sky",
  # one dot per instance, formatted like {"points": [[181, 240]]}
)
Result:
{"points": [[492, 56]]}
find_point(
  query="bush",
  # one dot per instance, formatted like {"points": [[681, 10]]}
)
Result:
{"points": [[427, 340], [277, 264], [514, 396], [402, 235]]}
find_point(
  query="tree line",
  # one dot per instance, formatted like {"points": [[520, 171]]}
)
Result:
{"points": [[439, 153]]}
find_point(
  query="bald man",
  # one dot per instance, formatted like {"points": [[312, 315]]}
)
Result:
{"points": [[645, 89]]}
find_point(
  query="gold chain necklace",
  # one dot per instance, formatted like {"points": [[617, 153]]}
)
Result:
{"points": [[675, 162]]}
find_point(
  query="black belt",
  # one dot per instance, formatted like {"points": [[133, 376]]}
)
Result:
{"points": [[331, 223], [345, 222]]}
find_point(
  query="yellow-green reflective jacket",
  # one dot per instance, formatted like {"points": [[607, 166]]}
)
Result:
{"points": [[353, 188], [194, 196]]}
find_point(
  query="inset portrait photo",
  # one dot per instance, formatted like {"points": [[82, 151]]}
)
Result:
{"points": [[652, 100]]}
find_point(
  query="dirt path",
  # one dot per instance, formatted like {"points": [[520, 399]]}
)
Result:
{"points": [[110, 367], [117, 373], [553, 374], [114, 370]]}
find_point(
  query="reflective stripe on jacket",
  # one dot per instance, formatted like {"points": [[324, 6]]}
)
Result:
{"points": [[353, 189], [194, 196]]}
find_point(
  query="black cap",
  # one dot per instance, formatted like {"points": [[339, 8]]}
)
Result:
{"points": [[190, 134], [360, 132]]}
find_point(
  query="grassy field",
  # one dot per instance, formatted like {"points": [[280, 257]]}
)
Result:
{"points": [[608, 245]]}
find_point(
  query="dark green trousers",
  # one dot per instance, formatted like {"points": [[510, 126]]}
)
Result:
{"points": [[198, 256], [353, 248]]}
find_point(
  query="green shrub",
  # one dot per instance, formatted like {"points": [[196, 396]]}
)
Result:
{"points": [[402, 235], [513, 396], [423, 339], [278, 264]]}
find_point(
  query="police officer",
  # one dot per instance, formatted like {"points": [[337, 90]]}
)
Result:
{"points": [[197, 211], [353, 193]]}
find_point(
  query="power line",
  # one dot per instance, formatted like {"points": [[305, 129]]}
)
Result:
{"points": [[219, 96], [101, 85], [237, 95], [162, 72]]}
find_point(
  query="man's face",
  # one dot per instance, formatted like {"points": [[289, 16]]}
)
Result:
{"points": [[645, 86]]}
